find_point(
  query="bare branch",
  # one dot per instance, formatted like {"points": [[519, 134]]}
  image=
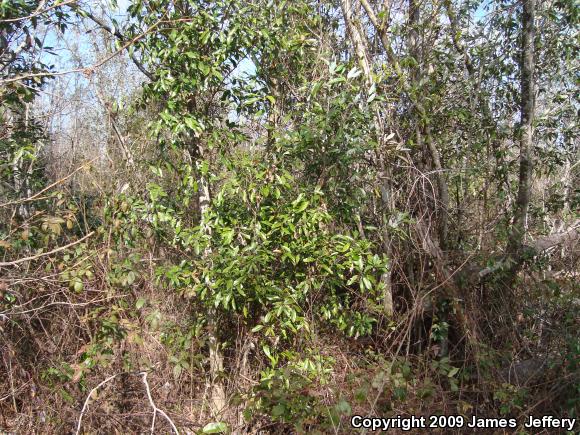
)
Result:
{"points": [[86, 70], [50, 186], [155, 408], [118, 35], [44, 254], [39, 11], [86, 404]]}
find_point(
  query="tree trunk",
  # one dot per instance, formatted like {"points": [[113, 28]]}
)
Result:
{"points": [[527, 64], [387, 193], [216, 359], [442, 187], [357, 39]]}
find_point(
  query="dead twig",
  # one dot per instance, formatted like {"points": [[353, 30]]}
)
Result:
{"points": [[155, 408], [86, 404]]}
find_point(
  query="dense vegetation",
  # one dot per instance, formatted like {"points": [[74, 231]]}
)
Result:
{"points": [[268, 216]]}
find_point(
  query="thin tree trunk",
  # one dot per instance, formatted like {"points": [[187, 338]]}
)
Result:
{"points": [[442, 187], [216, 359], [127, 154], [527, 65], [443, 190], [357, 39], [423, 128], [387, 192]]}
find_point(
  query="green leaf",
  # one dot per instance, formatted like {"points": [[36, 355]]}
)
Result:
{"points": [[215, 427], [367, 283], [453, 385], [257, 328], [131, 277], [204, 68], [140, 303], [353, 279], [302, 207], [343, 407], [354, 73], [278, 410], [266, 350]]}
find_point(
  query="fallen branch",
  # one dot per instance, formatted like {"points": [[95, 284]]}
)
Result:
{"points": [[568, 237]]}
